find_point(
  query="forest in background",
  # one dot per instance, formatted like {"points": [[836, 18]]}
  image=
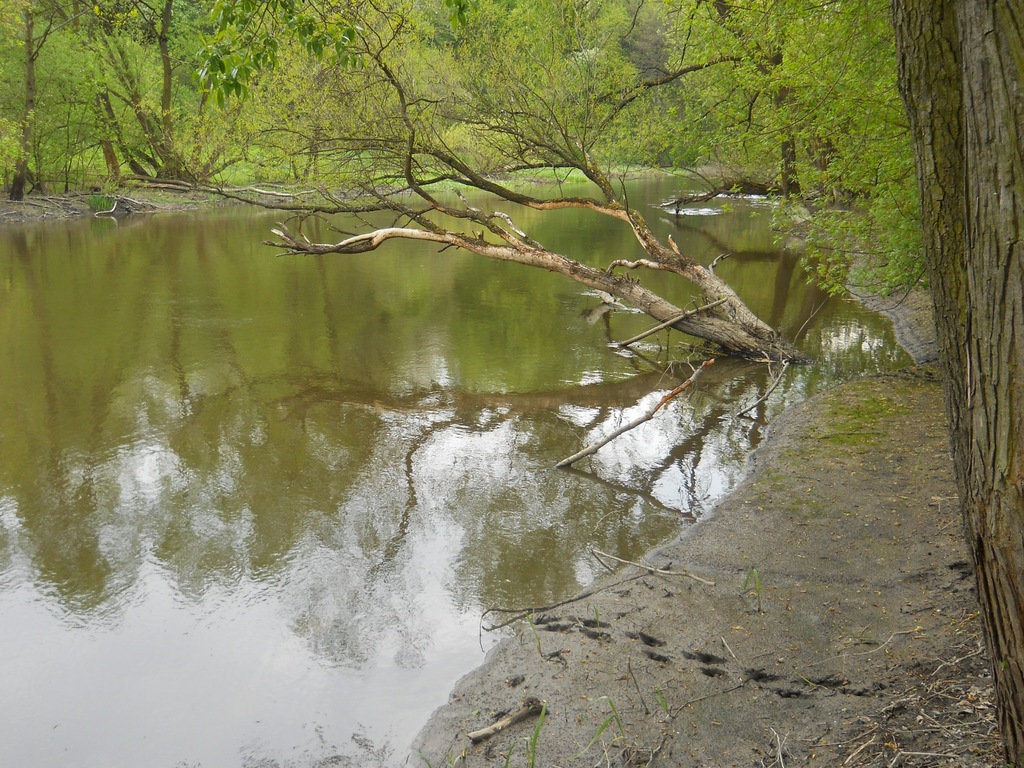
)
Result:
{"points": [[789, 97]]}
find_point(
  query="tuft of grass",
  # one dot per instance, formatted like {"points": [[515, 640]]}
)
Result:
{"points": [[531, 745], [612, 718], [753, 584], [100, 202], [661, 698]]}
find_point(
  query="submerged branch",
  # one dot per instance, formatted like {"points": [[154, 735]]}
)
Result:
{"points": [[670, 322], [768, 392], [647, 416]]}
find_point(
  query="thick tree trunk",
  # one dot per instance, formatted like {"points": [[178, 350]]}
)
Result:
{"points": [[20, 179], [110, 158], [961, 75]]}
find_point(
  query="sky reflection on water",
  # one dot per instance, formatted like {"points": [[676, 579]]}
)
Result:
{"points": [[252, 508]]}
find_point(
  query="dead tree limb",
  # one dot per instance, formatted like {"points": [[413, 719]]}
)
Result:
{"points": [[732, 327], [771, 388], [647, 416], [517, 614], [717, 259], [531, 706], [597, 553]]}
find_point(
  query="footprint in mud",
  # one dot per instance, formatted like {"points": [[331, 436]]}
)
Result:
{"points": [[712, 671], [653, 656], [704, 658], [650, 642]]}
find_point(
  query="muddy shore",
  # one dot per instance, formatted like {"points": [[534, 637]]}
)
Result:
{"points": [[841, 627]]}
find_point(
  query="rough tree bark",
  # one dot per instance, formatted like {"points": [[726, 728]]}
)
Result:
{"points": [[962, 80], [20, 178]]}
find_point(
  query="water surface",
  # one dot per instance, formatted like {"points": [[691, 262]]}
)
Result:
{"points": [[252, 507]]}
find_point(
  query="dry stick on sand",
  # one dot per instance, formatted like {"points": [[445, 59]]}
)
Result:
{"points": [[531, 706], [522, 613], [595, 447], [650, 568]]}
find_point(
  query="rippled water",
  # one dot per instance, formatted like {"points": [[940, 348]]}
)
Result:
{"points": [[251, 508]]}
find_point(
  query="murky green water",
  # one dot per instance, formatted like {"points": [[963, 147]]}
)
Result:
{"points": [[252, 507]]}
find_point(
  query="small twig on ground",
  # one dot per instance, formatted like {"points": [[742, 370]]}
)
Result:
{"points": [[779, 743], [954, 662], [639, 693], [729, 649], [901, 755], [650, 568], [888, 640], [859, 749], [685, 704]]}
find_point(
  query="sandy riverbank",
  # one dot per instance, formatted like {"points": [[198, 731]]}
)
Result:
{"points": [[857, 643]]}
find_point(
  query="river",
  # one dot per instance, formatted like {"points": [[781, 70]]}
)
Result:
{"points": [[252, 507]]}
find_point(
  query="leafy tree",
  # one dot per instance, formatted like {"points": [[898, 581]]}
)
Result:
{"points": [[152, 110], [540, 87], [962, 79], [810, 103]]}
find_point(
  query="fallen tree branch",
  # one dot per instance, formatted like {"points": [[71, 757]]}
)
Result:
{"points": [[767, 394], [667, 323], [531, 706], [650, 568], [729, 188], [718, 258], [647, 416], [637, 263], [521, 613]]}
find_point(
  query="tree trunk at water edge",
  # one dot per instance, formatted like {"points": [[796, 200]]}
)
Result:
{"points": [[962, 80], [20, 178]]}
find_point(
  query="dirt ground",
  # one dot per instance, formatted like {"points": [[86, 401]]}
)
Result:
{"points": [[841, 628]]}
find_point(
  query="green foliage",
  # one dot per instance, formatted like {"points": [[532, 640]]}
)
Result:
{"points": [[336, 93], [534, 741], [9, 147], [874, 245], [246, 35], [820, 79], [612, 718], [458, 11], [100, 202]]}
